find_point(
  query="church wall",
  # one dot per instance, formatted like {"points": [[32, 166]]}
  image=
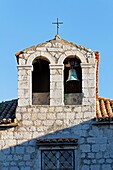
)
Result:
{"points": [[18, 145]]}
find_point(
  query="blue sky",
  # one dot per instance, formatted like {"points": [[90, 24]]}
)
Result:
{"points": [[24, 23]]}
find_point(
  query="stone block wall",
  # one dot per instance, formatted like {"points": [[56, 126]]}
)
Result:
{"points": [[24, 85], [56, 85], [88, 84], [18, 146]]}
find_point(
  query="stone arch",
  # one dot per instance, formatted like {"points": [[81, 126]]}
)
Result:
{"points": [[41, 81], [72, 77], [79, 54], [37, 54]]}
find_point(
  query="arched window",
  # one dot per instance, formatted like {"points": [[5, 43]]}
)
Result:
{"points": [[72, 80], [40, 82]]}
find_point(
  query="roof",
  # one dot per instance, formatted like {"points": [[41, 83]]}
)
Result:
{"points": [[56, 42], [7, 111], [104, 109]]}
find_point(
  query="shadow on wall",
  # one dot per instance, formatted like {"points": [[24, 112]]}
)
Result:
{"points": [[94, 149]]}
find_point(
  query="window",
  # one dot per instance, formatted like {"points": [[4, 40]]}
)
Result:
{"points": [[57, 154], [57, 160]]}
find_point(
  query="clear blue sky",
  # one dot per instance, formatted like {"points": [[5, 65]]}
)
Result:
{"points": [[24, 23]]}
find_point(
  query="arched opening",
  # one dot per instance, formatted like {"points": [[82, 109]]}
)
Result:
{"points": [[40, 82], [72, 81]]}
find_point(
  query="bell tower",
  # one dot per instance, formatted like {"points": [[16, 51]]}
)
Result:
{"points": [[56, 73]]}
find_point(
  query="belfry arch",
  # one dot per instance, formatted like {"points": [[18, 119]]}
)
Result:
{"points": [[40, 82], [72, 80], [39, 54], [77, 53]]}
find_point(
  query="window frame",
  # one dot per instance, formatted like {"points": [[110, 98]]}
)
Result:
{"points": [[63, 147], [57, 155]]}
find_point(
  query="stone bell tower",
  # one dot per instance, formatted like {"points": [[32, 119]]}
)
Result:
{"points": [[44, 74], [57, 91]]}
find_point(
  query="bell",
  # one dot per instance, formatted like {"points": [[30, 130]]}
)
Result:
{"points": [[72, 75]]}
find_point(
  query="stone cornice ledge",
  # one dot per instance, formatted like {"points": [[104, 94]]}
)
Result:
{"points": [[21, 66], [87, 65]]}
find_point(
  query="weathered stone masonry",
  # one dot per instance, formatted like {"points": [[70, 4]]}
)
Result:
{"points": [[18, 144]]}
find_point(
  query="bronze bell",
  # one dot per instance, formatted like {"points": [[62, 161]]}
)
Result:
{"points": [[72, 75]]}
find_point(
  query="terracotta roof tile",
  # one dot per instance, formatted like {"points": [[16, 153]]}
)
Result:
{"points": [[104, 109], [7, 111]]}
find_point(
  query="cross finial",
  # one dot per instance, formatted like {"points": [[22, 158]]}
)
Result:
{"points": [[57, 23]]}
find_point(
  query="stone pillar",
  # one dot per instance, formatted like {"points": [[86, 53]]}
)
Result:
{"points": [[56, 85], [89, 84], [24, 85]]}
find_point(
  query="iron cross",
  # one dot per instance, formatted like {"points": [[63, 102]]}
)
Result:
{"points": [[57, 23]]}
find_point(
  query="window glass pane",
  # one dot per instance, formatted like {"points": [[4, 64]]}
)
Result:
{"points": [[49, 160], [66, 160], [58, 160]]}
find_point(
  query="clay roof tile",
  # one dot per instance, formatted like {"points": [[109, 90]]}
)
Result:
{"points": [[104, 109], [7, 111]]}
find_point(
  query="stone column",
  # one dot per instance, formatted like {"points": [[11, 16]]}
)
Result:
{"points": [[88, 84], [24, 85], [56, 84]]}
